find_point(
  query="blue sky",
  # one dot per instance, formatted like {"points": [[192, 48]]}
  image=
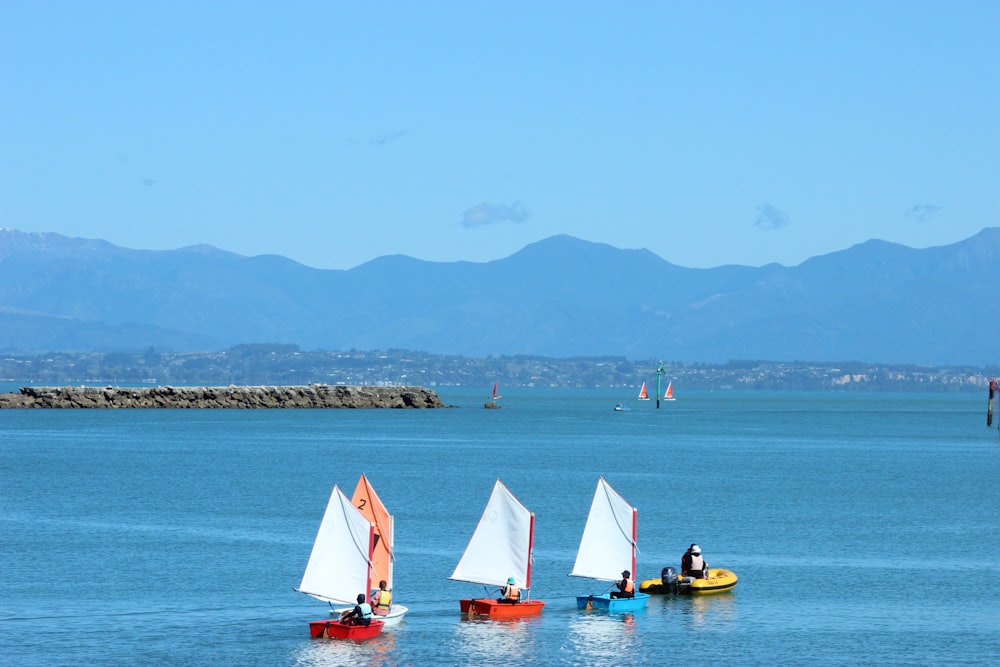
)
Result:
{"points": [[335, 132]]}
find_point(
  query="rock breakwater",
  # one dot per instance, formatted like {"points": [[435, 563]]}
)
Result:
{"points": [[310, 396]]}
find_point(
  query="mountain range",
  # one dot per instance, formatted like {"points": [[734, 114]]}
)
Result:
{"points": [[559, 297]]}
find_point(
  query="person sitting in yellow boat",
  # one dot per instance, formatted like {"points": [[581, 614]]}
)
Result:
{"points": [[510, 594], [626, 587], [360, 615], [380, 599], [692, 564]]}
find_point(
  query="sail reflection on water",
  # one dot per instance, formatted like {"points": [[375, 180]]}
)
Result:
{"points": [[380, 651], [595, 637], [484, 642], [708, 611]]}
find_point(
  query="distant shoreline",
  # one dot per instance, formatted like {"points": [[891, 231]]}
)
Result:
{"points": [[232, 397], [288, 365]]}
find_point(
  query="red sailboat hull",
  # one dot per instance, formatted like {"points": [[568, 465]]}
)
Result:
{"points": [[338, 630], [493, 609]]}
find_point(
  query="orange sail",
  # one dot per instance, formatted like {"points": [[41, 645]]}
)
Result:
{"points": [[643, 396], [670, 392], [371, 507]]}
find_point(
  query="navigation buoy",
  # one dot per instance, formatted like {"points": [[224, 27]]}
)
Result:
{"points": [[989, 403]]}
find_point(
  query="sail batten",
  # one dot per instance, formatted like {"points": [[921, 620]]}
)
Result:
{"points": [[500, 547], [608, 544]]}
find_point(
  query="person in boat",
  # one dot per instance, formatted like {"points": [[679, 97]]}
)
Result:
{"points": [[360, 615], [510, 594], [692, 564], [626, 587], [380, 599]]}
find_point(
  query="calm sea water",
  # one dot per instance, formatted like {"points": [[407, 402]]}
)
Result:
{"points": [[864, 528]]}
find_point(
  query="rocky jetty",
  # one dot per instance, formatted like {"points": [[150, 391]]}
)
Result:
{"points": [[311, 396]]}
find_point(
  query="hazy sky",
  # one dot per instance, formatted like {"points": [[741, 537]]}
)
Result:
{"points": [[333, 132]]}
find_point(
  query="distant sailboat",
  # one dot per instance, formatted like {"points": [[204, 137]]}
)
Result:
{"points": [[643, 396], [492, 403], [669, 395]]}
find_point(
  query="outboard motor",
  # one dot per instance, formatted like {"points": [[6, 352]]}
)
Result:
{"points": [[668, 580]]}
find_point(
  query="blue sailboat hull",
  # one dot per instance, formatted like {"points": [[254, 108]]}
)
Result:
{"points": [[605, 602]]}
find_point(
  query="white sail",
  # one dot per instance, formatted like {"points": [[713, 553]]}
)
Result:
{"points": [[339, 566], [501, 546], [608, 543]]}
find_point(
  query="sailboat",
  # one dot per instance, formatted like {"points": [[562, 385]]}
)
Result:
{"points": [[370, 506], [492, 402], [339, 567], [669, 394], [608, 547], [643, 395], [500, 548]]}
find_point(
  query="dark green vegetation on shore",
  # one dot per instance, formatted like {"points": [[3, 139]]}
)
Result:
{"points": [[287, 365]]}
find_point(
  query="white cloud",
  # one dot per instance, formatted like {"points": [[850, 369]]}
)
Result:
{"points": [[490, 214], [922, 212], [769, 217]]}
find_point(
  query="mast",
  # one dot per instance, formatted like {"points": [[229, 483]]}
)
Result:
{"points": [[659, 374], [392, 554], [371, 552], [635, 531], [531, 546]]}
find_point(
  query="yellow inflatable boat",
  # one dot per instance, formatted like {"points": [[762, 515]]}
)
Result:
{"points": [[717, 581]]}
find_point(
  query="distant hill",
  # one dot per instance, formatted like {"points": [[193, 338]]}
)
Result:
{"points": [[559, 297]]}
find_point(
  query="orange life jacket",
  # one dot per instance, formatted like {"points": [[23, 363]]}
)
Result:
{"points": [[629, 586], [512, 592]]}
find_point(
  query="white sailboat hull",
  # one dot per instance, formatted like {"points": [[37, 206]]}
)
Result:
{"points": [[395, 615]]}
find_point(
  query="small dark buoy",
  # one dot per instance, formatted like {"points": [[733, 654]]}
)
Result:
{"points": [[989, 404]]}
